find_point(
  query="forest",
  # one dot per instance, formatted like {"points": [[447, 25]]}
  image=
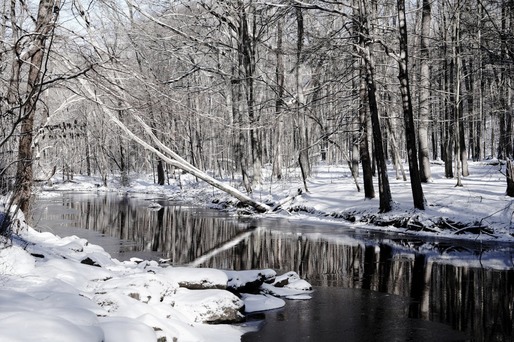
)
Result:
{"points": [[221, 89]]}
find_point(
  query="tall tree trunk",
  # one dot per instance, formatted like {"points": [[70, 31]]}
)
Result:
{"points": [[449, 120], [460, 144], [384, 191], [161, 177], [355, 138], [47, 15], [13, 91], [481, 91], [122, 164], [279, 103], [240, 138], [88, 148], [507, 14], [424, 94], [301, 118], [475, 127], [394, 149], [356, 123], [367, 172], [410, 130], [248, 50], [363, 132]]}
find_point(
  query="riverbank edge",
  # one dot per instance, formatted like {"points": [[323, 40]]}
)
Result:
{"points": [[292, 204]]}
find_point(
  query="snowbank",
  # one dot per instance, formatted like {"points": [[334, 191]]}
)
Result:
{"points": [[66, 289]]}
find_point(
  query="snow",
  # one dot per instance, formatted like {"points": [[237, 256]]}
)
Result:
{"points": [[206, 305], [260, 302], [52, 290], [66, 289], [286, 292], [54, 297], [125, 329], [237, 279], [207, 278]]}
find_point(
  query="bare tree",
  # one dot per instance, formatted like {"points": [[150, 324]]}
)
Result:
{"points": [[424, 93], [362, 118], [301, 135], [45, 25], [366, 51], [279, 102], [403, 76]]}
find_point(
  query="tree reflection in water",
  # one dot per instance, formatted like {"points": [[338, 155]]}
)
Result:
{"points": [[468, 286]]}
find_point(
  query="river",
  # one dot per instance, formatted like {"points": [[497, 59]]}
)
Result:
{"points": [[368, 285]]}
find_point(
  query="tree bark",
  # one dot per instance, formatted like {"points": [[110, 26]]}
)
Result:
{"points": [[356, 120], [161, 178], [247, 53], [397, 161], [460, 145], [403, 76], [449, 112]]}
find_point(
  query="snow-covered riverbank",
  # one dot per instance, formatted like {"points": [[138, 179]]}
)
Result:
{"points": [[479, 209]]}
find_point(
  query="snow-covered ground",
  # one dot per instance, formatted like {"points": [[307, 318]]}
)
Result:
{"points": [[481, 201], [66, 289]]}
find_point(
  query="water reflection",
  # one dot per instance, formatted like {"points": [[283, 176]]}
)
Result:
{"points": [[467, 285]]}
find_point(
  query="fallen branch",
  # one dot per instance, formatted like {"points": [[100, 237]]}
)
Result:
{"points": [[286, 200], [475, 230], [448, 224]]}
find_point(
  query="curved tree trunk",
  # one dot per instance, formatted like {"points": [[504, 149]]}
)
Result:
{"points": [[169, 156]]}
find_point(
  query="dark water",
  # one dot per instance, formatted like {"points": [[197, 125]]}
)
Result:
{"points": [[342, 314], [369, 286]]}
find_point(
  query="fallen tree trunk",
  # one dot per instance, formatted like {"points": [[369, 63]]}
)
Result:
{"points": [[177, 161], [171, 157]]}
